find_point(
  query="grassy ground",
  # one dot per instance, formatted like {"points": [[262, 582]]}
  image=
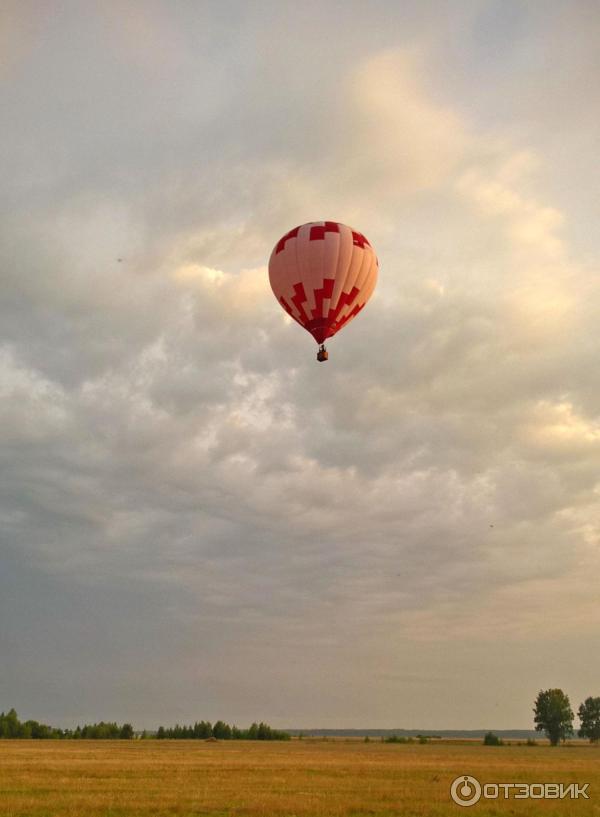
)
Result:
{"points": [[301, 778]]}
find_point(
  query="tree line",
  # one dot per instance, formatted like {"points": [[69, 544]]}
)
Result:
{"points": [[221, 731], [553, 716], [12, 727]]}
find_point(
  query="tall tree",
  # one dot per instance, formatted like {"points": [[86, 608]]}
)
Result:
{"points": [[553, 715], [221, 730], [126, 732], [589, 715]]}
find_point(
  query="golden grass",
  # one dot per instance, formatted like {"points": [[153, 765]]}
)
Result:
{"points": [[295, 779]]}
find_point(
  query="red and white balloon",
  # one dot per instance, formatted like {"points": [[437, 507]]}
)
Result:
{"points": [[323, 273]]}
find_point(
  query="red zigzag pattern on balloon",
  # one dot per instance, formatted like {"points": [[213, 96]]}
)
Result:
{"points": [[321, 294]]}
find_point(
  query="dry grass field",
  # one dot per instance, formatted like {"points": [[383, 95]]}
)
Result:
{"points": [[302, 778]]}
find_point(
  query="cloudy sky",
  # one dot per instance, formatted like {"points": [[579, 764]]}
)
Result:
{"points": [[197, 519]]}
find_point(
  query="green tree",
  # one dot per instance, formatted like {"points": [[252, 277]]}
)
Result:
{"points": [[9, 724], [491, 739], [221, 730], [589, 715], [553, 715], [126, 732], [37, 730], [264, 731], [205, 730]]}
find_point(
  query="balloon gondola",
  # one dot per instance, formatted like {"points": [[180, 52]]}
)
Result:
{"points": [[322, 354], [323, 273]]}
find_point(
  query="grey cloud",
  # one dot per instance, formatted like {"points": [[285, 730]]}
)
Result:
{"points": [[187, 496]]}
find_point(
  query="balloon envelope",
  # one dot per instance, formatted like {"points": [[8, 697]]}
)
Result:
{"points": [[322, 274]]}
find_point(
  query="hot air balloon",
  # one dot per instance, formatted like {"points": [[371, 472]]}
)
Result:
{"points": [[322, 274]]}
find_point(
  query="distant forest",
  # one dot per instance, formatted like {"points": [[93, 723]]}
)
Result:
{"points": [[221, 731], [515, 734], [12, 727]]}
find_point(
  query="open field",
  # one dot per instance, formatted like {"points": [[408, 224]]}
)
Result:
{"points": [[302, 778]]}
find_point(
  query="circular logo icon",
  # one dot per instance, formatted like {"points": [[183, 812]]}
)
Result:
{"points": [[465, 790]]}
